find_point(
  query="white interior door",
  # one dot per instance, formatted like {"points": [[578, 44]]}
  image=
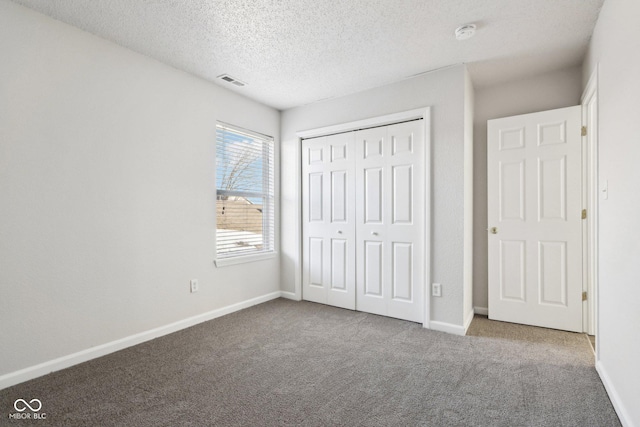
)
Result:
{"points": [[534, 214], [389, 213], [328, 249]]}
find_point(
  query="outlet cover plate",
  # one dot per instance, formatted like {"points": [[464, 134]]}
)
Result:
{"points": [[436, 290]]}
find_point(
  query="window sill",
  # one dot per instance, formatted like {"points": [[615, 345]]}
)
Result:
{"points": [[224, 262]]}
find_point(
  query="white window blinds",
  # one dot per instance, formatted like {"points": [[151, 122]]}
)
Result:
{"points": [[244, 190]]}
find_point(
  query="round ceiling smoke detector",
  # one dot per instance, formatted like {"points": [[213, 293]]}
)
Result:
{"points": [[465, 32]]}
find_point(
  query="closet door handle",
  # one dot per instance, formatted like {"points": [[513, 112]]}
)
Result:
{"points": [[374, 233], [339, 231]]}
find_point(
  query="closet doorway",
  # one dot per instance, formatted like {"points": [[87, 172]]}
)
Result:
{"points": [[365, 215]]}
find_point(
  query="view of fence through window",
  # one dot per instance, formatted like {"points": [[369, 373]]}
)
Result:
{"points": [[244, 189]]}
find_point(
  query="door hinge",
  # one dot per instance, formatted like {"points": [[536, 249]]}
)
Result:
{"points": [[584, 214], [584, 131], [584, 296]]}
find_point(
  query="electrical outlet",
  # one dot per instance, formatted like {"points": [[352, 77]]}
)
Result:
{"points": [[436, 290], [194, 285]]}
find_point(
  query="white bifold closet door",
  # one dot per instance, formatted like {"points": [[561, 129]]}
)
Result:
{"points": [[363, 227]]}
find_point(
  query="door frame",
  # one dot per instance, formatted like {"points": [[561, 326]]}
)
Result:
{"points": [[591, 194], [423, 113]]}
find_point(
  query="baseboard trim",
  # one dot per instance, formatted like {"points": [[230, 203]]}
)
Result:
{"points": [[449, 328], [467, 320], [289, 295], [625, 420], [26, 374], [481, 310]]}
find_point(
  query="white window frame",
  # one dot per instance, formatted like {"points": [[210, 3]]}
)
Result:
{"points": [[269, 214]]}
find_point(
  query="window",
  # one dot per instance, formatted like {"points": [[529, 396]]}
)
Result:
{"points": [[244, 193]]}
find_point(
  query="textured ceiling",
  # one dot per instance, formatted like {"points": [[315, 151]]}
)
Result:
{"points": [[294, 52]]}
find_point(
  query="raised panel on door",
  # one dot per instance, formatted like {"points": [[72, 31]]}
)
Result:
{"points": [[373, 196], [373, 269], [401, 196], [512, 279], [339, 202], [552, 273], [371, 141], [511, 193], [402, 271], [534, 205], [510, 138], [552, 189], [403, 139], [316, 194], [339, 264], [315, 154], [315, 265], [338, 147], [554, 132]]}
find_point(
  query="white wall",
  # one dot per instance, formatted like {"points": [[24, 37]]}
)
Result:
{"points": [[442, 90], [544, 92], [614, 46], [107, 192]]}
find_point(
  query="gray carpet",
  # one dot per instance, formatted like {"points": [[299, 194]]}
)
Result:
{"points": [[298, 363]]}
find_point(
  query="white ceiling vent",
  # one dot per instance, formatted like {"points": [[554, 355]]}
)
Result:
{"points": [[227, 78]]}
